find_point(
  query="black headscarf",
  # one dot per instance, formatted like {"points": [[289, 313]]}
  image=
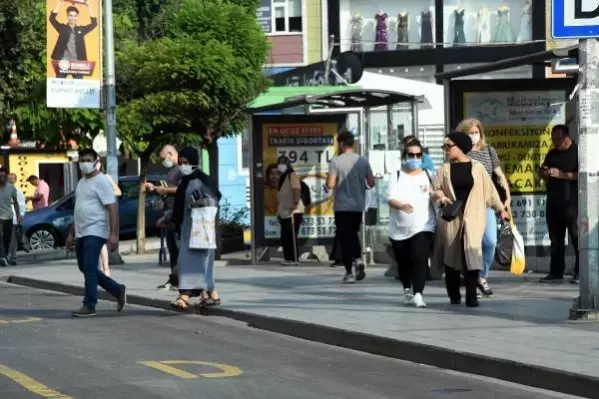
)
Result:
{"points": [[193, 156], [461, 140]]}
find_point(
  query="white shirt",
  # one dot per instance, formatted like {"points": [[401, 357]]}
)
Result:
{"points": [[91, 198], [22, 206], [413, 190]]}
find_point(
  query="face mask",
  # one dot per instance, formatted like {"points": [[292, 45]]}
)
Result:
{"points": [[282, 168], [167, 163], [475, 138], [186, 169], [412, 164], [87, 167]]}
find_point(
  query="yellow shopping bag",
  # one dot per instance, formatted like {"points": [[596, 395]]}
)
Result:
{"points": [[518, 259]]}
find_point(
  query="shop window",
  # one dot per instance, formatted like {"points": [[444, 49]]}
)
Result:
{"points": [[243, 152], [287, 15], [470, 22]]}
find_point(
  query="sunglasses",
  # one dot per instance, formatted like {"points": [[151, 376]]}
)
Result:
{"points": [[447, 146], [416, 155]]}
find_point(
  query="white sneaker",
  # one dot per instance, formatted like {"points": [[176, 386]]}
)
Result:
{"points": [[418, 301], [288, 263], [407, 296], [349, 279]]}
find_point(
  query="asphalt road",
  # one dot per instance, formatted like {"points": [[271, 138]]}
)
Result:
{"points": [[46, 353]]}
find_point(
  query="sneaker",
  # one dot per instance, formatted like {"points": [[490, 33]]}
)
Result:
{"points": [[165, 286], [360, 273], [407, 296], [472, 302], [455, 301], [483, 286], [575, 279], [418, 301], [349, 279], [288, 263], [84, 311], [122, 298], [3, 262], [550, 278]]}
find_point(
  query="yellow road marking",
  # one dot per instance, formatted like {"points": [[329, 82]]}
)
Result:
{"points": [[30, 384], [27, 320], [225, 369]]}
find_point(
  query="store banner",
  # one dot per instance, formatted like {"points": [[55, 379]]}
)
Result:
{"points": [[74, 56], [309, 147], [518, 124]]}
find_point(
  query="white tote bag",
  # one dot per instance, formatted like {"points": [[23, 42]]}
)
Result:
{"points": [[203, 228]]}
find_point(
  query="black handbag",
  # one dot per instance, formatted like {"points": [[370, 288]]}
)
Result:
{"points": [[497, 182], [452, 211]]}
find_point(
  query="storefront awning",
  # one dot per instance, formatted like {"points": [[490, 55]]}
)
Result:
{"points": [[329, 96]]}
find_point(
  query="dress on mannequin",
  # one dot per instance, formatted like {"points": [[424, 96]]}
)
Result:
{"points": [[357, 25], [402, 31], [483, 26], [382, 37], [504, 32], [459, 37], [426, 27], [525, 33]]}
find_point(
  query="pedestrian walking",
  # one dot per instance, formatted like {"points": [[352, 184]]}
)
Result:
{"points": [[349, 176], [95, 223], [104, 260], [427, 162], [290, 210], [411, 222], [9, 203], [16, 234], [170, 160], [465, 190], [560, 172], [487, 156], [196, 266], [41, 196]]}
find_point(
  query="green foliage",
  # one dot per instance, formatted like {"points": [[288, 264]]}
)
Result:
{"points": [[231, 220]]}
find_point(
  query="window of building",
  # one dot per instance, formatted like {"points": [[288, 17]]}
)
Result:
{"points": [[287, 16], [243, 152]]}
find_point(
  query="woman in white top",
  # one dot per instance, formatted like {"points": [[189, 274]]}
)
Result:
{"points": [[411, 222]]}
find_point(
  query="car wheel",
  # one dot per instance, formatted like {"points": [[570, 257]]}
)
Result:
{"points": [[43, 238]]}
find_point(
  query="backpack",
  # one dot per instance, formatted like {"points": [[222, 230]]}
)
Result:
{"points": [[305, 193]]}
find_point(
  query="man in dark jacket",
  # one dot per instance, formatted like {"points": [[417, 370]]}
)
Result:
{"points": [[70, 44]]}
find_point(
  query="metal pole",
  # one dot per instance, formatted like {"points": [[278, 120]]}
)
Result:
{"points": [[447, 105], [252, 176], [364, 150], [586, 307], [414, 109], [112, 167]]}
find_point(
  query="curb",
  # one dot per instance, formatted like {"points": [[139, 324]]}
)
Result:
{"points": [[507, 370]]}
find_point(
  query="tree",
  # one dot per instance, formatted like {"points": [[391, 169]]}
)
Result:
{"points": [[192, 82]]}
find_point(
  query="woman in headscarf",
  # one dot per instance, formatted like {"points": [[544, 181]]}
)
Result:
{"points": [[466, 190], [196, 266]]}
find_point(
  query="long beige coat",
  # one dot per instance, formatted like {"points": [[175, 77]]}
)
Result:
{"points": [[448, 250]]}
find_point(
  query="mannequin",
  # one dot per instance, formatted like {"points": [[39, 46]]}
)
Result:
{"points": [[403, 27], [483, 25], [382, 28], [525, 33], [357, 30], [459, 37], [426, 27], [504, 32]]}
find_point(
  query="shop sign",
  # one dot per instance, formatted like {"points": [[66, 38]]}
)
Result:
{"points": [[264, 15], [518, 124], [344, 69]]}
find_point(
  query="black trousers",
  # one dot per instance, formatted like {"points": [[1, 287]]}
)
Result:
{"points": [[560, 219], [453, 276], [6, 237], [173, 253], [289, 230], [412, 260], [348, 225]]}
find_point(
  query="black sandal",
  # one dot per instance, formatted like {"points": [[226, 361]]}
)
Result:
{"points": [[214, 298], [181, 303]]}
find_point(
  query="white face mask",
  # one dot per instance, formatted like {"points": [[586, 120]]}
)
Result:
{"points": [[475, 138], [87, 167], [167, 163], [282, 168], [186, 169]]}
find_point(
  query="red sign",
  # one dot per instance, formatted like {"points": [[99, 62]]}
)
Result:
{"points": [[79, 68]]}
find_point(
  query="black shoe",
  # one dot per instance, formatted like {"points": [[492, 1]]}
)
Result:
{"points": [[472, 303], [550, 278], [360, 273], [3, 262], [84, 311], [575, 279], [13, 262], [455, 301], [122, 299], [483, 286]]}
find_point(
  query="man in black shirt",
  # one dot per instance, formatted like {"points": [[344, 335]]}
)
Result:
{"points": [[560, 172]]}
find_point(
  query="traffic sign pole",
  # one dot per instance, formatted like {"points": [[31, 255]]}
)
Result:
{"points": [[586, 306]]}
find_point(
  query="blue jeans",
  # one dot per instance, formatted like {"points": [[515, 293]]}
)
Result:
{"points": [[87, 250], [489, 242]]}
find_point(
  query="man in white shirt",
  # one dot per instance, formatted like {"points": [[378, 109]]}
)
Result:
{"points": [[22, 205], [95, 207]]}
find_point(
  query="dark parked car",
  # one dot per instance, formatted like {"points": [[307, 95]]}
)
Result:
{"points": [[48, 228]]}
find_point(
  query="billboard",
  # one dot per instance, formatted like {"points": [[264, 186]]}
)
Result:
{"points": [[73, 54]]}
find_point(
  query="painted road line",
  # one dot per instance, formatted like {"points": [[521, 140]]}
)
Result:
{"points": [[30, 384], [27, 320], [164, 366]]}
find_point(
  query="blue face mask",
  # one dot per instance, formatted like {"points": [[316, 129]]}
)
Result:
{"points": [[412, 164]]}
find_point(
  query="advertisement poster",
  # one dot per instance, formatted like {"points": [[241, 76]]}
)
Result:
{"points": [[518, 124], [73, 60], [309, 147]]}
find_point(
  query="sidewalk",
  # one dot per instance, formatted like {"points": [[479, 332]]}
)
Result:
{"points": [[522, 334]]}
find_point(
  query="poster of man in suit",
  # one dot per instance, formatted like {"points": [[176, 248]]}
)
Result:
{"points": [[74, 60]]}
